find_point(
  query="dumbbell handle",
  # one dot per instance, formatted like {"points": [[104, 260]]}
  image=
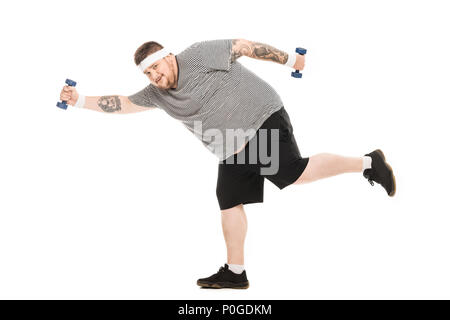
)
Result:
{"points": [[297, 73], [63, 104]]}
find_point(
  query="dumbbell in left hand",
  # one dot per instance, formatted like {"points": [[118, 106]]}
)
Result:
{"points": [[63, 104], [297, 73]]}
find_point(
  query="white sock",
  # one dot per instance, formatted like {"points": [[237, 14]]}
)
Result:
{"points": [[236, 268], [367, 163]]}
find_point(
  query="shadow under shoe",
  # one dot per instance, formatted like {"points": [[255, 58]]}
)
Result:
{"points": [[381, 172], [225, 278]]}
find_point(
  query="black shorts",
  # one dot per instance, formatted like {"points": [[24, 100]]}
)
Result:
{"points": [[243, 181]]}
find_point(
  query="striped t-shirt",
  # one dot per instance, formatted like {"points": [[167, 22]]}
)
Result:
{"points": [[213, 96]]}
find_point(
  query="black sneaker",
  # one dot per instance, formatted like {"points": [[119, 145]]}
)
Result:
{"points": [[225, 278], [381, 172]]}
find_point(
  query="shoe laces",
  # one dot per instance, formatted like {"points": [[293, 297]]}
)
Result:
{"points": [[221, 270]]}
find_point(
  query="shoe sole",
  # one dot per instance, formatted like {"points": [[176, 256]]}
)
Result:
{"points": [[223, 285], [390, 169]]}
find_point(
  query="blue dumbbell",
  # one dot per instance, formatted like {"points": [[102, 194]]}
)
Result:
{"points": [[297, 73], [63, 104]]}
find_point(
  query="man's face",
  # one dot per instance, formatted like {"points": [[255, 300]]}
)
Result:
{"points": [[161, 73]]}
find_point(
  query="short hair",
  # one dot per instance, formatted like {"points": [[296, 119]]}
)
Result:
{"points": [[146, 49]]}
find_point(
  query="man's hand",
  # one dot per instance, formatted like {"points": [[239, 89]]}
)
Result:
{"points": [[69, 94], [299, 62]]}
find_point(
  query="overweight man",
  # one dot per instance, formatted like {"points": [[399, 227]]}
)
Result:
{"points": [[241, 119]]}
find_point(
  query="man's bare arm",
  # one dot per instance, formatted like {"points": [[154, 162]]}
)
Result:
{"points": [[113, 104], [257, 50], [242, 47], [110, 104]]}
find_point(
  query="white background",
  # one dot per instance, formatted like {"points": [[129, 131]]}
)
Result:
{"points": [[105, 206]]}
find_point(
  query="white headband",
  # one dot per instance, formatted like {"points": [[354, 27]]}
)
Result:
{"points": [[147, 62]]}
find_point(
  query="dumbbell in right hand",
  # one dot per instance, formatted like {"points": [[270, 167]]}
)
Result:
{"points": [[63, 104], [297, 73]]}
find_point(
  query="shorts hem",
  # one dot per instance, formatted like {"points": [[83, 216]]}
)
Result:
{"points": [[236, 203], [302, 169]]}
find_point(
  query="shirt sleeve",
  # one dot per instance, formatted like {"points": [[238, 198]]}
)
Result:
{"points": [[143, 98], [215, 54]]}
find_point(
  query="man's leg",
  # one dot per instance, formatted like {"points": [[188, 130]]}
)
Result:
{"points": [[373, 166], [234, 226], [324, 165]]}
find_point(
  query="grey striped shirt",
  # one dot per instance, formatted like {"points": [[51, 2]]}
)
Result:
{"points": [[213, 96]]}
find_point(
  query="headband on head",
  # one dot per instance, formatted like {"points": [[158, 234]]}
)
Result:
{"points": [[147, 62]]}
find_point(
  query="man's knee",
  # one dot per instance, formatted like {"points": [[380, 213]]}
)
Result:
{"points": [[302, 179], [305, 176]]}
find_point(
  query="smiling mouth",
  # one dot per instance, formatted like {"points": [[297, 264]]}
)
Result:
{"points": [[159, 79]]}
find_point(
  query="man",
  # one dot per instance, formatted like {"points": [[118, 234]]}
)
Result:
{"points": [[211, 93]]}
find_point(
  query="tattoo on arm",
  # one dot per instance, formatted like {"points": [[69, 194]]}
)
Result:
{"points": [[258, 50], [264, 51], [240, 48], [109, 103]]}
